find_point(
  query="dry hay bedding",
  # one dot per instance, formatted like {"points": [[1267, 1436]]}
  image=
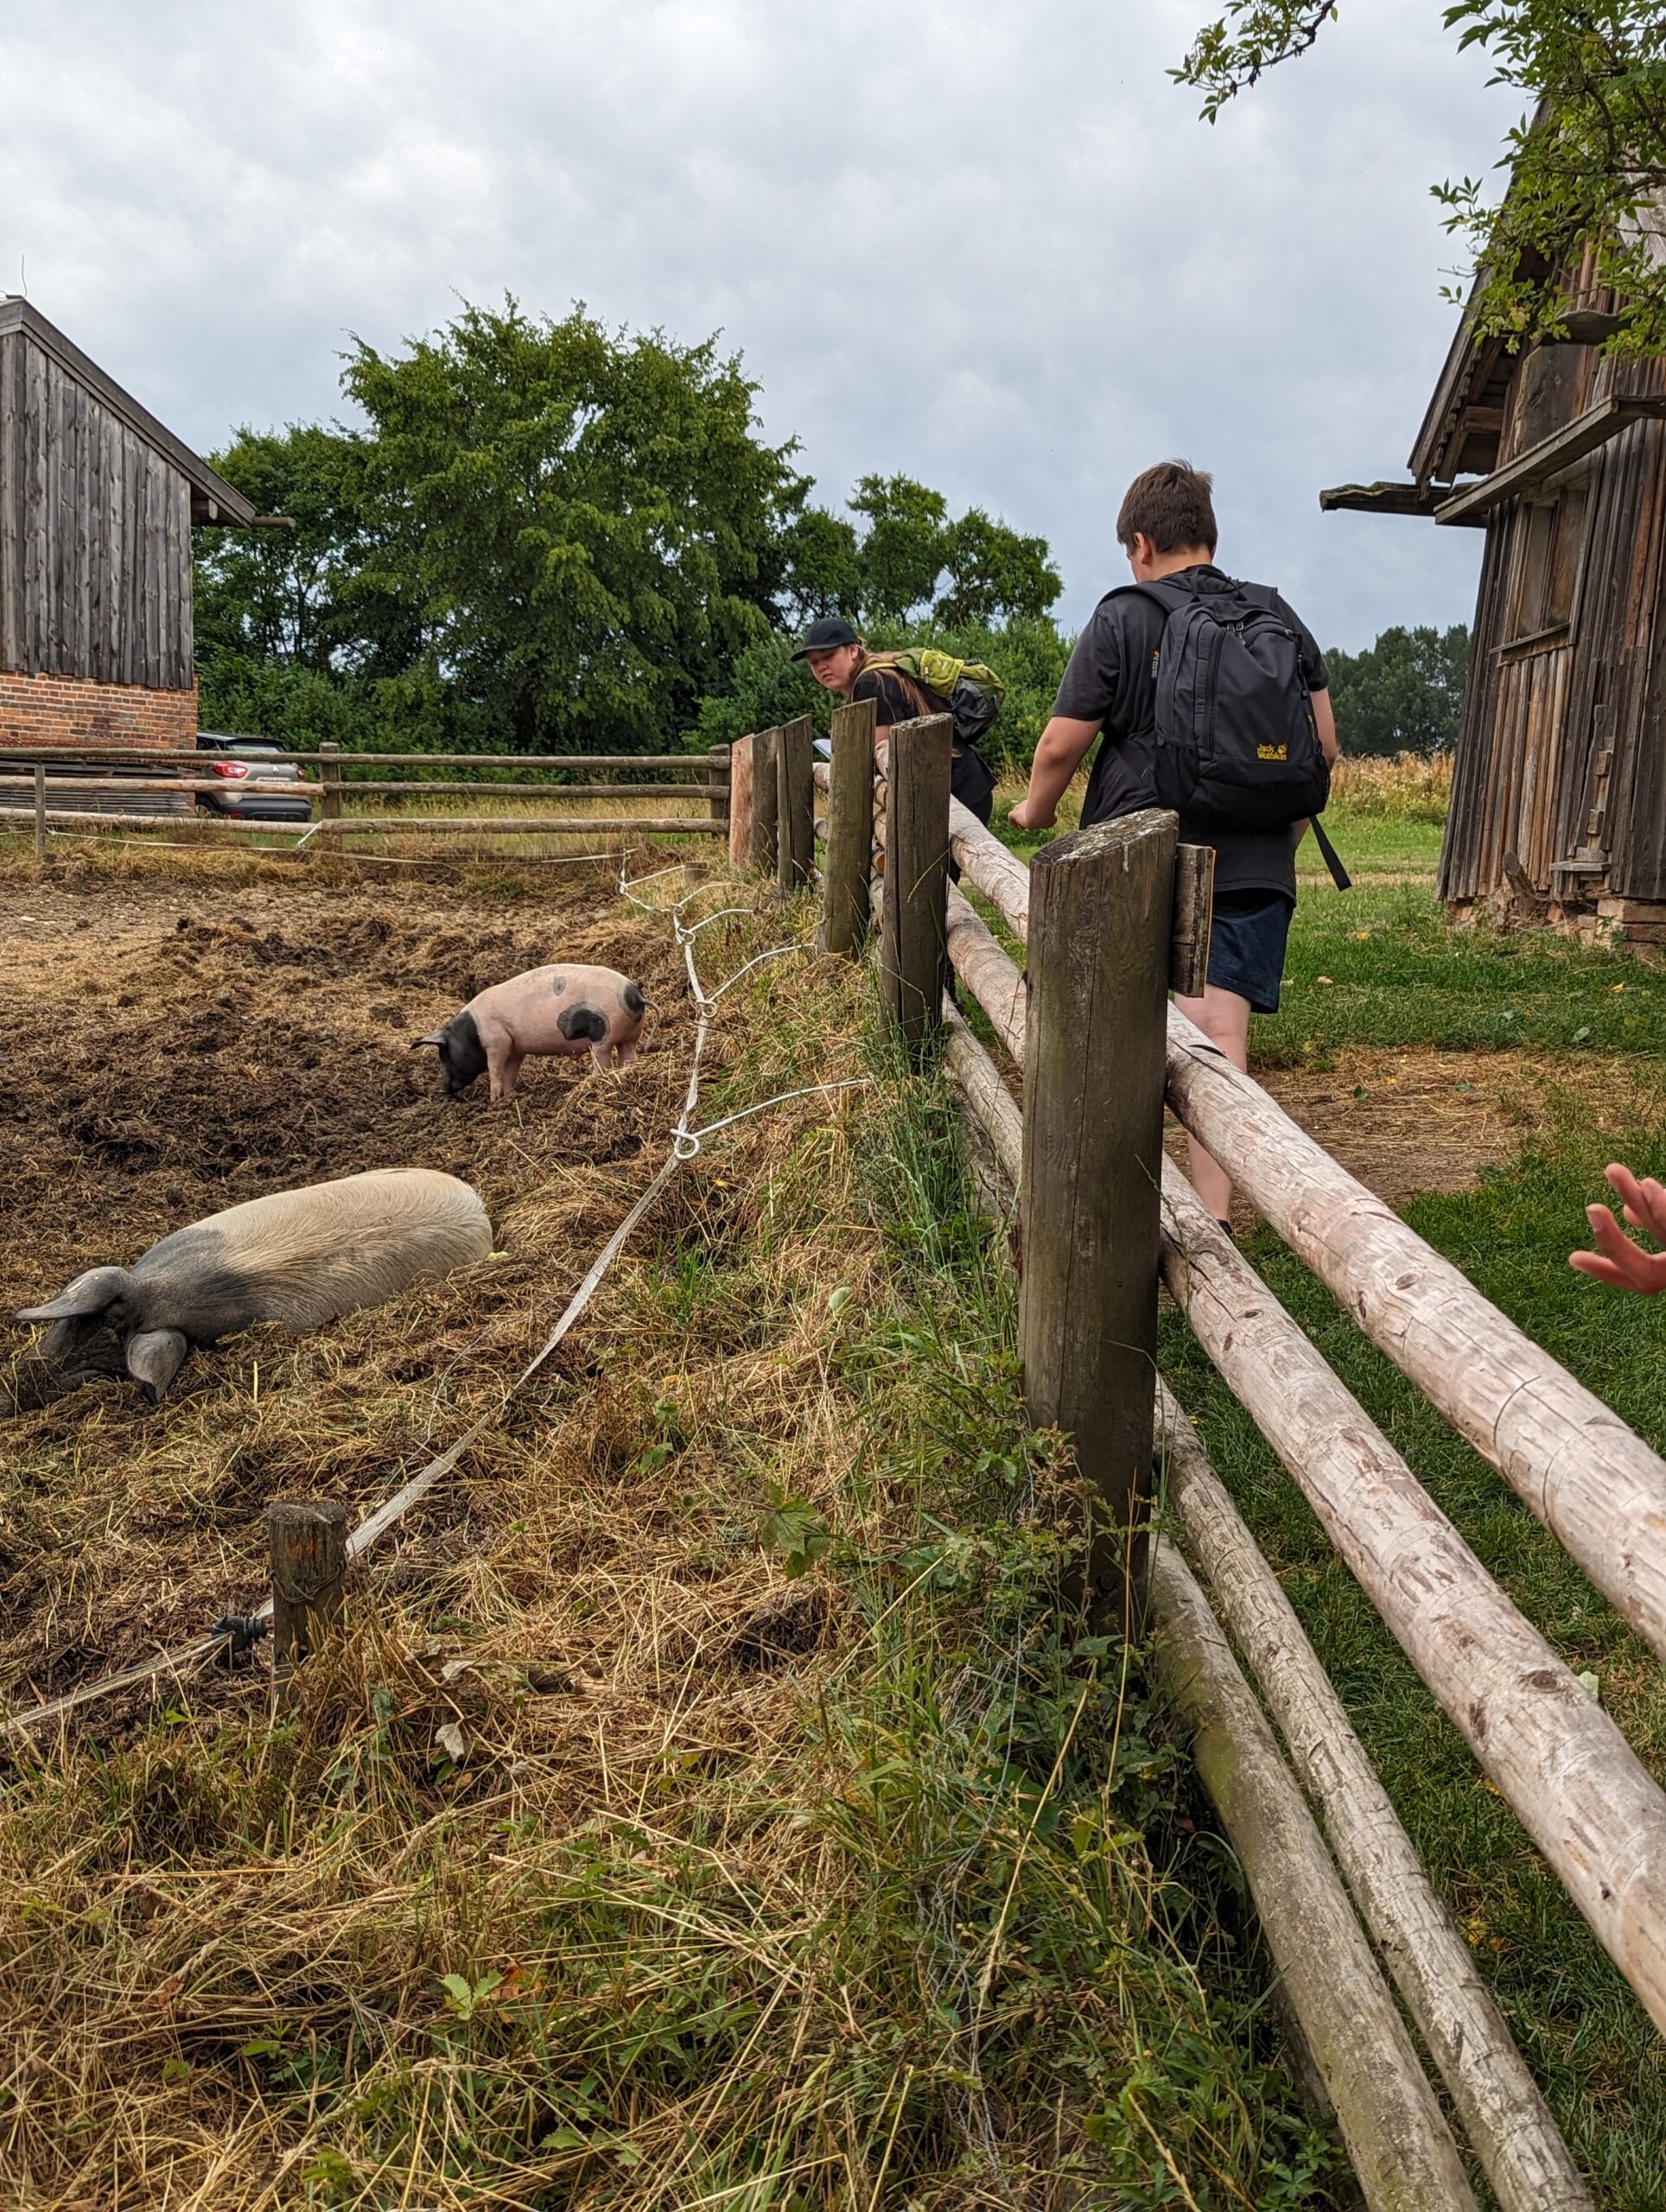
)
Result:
{"points": [[198, 1048]]}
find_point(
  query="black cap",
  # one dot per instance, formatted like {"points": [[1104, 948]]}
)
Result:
{"points": [[825, 635]]}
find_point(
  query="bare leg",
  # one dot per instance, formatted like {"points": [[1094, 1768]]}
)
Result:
{"points": [[627, 1056], [1224, 1017]]}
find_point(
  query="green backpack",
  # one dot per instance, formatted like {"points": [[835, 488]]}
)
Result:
{"points": [[975, 693]]}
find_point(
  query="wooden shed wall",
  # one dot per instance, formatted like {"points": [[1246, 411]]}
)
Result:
{"points": [[1558, 756], [95, 535]]}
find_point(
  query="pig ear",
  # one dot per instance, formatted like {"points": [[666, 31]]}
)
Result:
{"points": [[155, 1357], [88, 1293], [433, 1037]]}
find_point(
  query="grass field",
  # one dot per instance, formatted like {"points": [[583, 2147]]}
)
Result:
{"points": [[1378, 968], [1568, 1042]]}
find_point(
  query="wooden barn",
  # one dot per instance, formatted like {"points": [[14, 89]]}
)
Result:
{"points": [[1559, 799], [97, 504]]}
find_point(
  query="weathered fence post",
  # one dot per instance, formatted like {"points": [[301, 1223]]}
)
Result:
{"points": [[740, 802], [766, 801], [914, 926], [849, 853], [1100, 917], [717, 781], [1194, 913], [40, 811], [795, 805], [329, 802], [309, 1542]]}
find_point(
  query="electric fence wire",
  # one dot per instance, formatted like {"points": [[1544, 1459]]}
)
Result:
{"points": [[685, 1144]]}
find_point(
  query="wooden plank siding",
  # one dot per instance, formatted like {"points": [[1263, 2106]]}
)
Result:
{"points": [[95, 533], [1559, 747]]}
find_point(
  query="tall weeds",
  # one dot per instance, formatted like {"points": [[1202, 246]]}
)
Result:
{"points": [[713, 1804]]}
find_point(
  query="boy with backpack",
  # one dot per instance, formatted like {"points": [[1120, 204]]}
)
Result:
{"points": [[905, 686], [1214, 700]]}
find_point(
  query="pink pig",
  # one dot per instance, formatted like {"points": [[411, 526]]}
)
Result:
{"points": [[555, 1012]]}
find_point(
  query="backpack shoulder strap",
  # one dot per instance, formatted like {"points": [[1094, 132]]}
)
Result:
{"points": [[1170, 597]]}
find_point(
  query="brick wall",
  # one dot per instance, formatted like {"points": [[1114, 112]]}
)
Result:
{"points": [[70, 711]]}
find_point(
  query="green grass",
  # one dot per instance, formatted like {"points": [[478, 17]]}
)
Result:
{"points": [[1588, 2041], [1379, 967]]}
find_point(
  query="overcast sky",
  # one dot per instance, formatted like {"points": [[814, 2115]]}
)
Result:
{"points": [[988, 246]]}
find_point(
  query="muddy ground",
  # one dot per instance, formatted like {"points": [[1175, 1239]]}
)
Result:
{"points": [[172, 1046]]}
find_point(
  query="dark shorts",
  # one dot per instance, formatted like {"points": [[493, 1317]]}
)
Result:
{"points": [[972, 782], [1246, 946]]}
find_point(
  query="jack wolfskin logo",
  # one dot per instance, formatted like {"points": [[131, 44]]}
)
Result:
{"points": [[1272, 753]]}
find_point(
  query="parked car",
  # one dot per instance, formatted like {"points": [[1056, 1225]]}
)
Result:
{"points": [[243, 760]]}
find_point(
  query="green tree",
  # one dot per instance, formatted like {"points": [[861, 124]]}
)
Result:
{"points": [[292, 642], [1587, 164], [1028, 651], [1401, 695], [994, 574], [586, 527], [820, 558], [909, 562], [904, 549]]}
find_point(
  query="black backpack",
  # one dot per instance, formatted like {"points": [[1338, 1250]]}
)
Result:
{"points": [[1237, 746]]}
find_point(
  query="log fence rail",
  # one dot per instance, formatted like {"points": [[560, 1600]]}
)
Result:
{"points": [[1111, 920], [89, 782]]}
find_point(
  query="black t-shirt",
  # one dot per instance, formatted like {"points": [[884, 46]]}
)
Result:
{"points": [[971, 778], [1112, 680]]}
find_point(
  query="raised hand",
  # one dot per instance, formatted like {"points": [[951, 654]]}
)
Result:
{"points": [[1617, 1260]]}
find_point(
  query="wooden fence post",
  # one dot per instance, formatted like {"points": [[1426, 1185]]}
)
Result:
{"points": [[849, 853], [717, 781], [766, 801], [740, 802], [1101, 911], [309, 1542], [329, 802], [40, 811], [795, 808], [1194, 914], [913, 926]]}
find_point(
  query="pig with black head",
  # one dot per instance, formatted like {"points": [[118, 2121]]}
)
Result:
{"points": [[299, 1257], [559, 1011]]}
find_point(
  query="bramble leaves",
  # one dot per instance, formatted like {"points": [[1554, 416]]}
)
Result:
{"points": [[793, 1528]]}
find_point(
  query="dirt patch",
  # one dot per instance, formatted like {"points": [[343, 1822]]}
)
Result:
{"points": [[1408, 1122], [171, 1048]]}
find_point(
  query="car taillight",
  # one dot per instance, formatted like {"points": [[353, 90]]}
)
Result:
{"points": [[236, 769]]}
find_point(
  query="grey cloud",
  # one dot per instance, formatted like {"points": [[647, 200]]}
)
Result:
{"points": [[990, 245]]}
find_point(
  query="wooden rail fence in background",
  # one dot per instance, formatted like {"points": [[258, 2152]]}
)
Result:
{"points": [[1100, 1213], [85, 792]]}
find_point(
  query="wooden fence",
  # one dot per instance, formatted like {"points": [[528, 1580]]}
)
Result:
{"points": [[1111, 919], [123, 788]]}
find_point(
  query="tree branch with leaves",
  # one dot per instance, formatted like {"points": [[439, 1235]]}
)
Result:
{"points": [[1585, 195]]}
